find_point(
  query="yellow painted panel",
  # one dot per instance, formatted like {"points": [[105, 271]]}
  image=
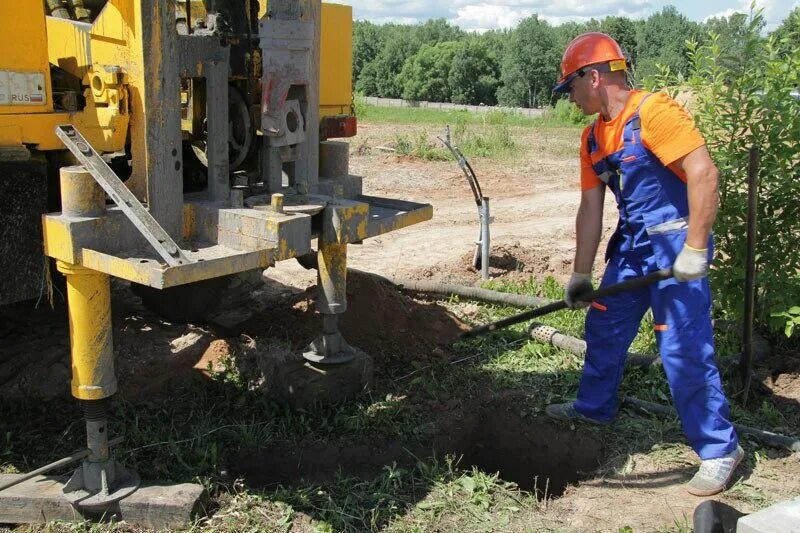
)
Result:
{"points": [[336, 56], [23, 48], [57, 239], [39, 130], [68, 46]]}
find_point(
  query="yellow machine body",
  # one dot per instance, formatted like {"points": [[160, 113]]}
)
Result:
{"points": [[31, 42]]}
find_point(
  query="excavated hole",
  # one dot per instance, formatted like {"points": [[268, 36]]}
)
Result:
{"points": [[536, 453]]}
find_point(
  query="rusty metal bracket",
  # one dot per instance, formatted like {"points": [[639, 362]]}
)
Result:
{"points": [[116, 190]]}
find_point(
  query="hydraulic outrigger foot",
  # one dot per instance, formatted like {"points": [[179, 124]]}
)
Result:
{"points": [[101, 480]]}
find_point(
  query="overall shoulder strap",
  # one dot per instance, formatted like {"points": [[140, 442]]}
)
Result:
{"points": [[635, 120]]}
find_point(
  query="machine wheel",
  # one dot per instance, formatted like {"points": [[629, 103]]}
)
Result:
{"points": [[240, 132]]}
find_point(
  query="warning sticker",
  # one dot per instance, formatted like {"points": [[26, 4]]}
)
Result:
{"points": [[22, 88]]}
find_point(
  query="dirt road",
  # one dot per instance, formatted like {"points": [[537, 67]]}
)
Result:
{"points": [[534, 197]]}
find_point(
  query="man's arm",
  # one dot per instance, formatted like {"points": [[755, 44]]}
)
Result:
{"points": [[702, 180], [588, 228]]}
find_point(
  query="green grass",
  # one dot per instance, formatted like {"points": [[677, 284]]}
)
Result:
{"points": [[185, 439], [493, 141], [439, 117]]}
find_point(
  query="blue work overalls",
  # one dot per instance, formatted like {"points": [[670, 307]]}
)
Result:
{"points": [[653, 208]]}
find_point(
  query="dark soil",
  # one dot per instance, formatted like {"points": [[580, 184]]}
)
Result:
{"points": [[380, 320], [534, 452]]}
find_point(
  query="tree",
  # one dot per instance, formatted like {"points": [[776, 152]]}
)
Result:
{"points": [[531, 64], [787, 36], [379, 77], [474, 75], [732, 34], [436, 31], [425, 74], [661, 41], [623, 30], [367, 43]]}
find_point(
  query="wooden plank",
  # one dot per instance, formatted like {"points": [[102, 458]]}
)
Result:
{"points": [[153, 505]]}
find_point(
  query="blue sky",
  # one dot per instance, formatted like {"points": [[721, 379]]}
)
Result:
{"points": [[484, 15]]}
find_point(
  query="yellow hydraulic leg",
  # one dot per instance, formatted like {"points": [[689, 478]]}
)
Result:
{"points": [[330, 347], [100, 480], [89, 299]]}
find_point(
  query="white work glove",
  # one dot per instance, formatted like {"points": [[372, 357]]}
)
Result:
{"points": [[690, 264], [579, 284]]}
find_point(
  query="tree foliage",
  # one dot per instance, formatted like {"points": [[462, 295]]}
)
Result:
{"points": [[425, 76], [519, 66], [787, 36], [530, 65], [661, 40], [740, 102]]}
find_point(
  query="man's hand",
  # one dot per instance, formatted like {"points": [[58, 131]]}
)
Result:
{"points": [[579, 284], [690, 264]]}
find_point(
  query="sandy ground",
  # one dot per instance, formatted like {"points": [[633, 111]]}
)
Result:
{"points": [[534, 197], [533, 200]]}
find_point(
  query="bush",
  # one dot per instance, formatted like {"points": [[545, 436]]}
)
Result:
{"points": [[738, 104], [491, 139], [359, 105], [421, 147]]}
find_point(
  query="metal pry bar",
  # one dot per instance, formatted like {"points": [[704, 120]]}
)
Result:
{"points": [[122, 196]]}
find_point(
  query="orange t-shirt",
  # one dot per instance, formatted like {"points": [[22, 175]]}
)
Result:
{"points": [[667, 130]]}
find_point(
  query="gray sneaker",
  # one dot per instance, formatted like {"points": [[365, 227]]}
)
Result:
{"points": [[566, 411], [714, 474]]}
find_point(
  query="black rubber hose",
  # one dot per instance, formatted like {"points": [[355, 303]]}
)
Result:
{"points": [[472, 293], [767, 437]]}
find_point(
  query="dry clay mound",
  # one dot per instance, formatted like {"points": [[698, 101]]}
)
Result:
{"points": [[511, 261], [380, 320]]}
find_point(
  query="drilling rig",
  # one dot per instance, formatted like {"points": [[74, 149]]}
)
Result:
{"points": [[175, 143]]}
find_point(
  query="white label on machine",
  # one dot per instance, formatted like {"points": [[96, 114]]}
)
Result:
{"points": [[5, 89], [22, 88]]}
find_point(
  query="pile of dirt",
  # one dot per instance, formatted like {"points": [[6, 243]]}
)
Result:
{"points": [[380, 320], [511, 261], [780, 375]]}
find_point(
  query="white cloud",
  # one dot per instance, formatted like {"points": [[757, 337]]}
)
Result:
{"points": [[481, 15], [774, 11]]}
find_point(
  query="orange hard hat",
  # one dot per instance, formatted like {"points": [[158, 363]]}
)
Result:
{"points": [[589, 49]]}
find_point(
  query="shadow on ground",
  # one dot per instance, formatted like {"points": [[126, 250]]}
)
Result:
{"points": [[326, 458]]}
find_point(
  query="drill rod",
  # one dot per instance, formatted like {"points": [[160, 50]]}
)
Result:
{"points": [[632, 284]]}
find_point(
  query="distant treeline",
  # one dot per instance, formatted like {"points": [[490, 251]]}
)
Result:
{"points": [[436, 61]]}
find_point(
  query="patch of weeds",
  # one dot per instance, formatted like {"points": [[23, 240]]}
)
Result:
{"points": [[419, 115], [464, 501], [749, 494], [420, 147], [489, 139], [565, 112]]}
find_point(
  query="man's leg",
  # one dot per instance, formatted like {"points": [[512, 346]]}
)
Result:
{"points": [[611, 326], [686, 342]]}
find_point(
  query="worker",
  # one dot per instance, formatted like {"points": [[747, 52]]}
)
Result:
{"points": [[645, 148]]}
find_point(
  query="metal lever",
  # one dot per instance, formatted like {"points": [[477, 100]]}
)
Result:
{"points": [[122, 196], [631, 284]]}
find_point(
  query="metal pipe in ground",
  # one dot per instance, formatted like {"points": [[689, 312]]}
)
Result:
{"points": [[746, 362], [485, 237]]}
